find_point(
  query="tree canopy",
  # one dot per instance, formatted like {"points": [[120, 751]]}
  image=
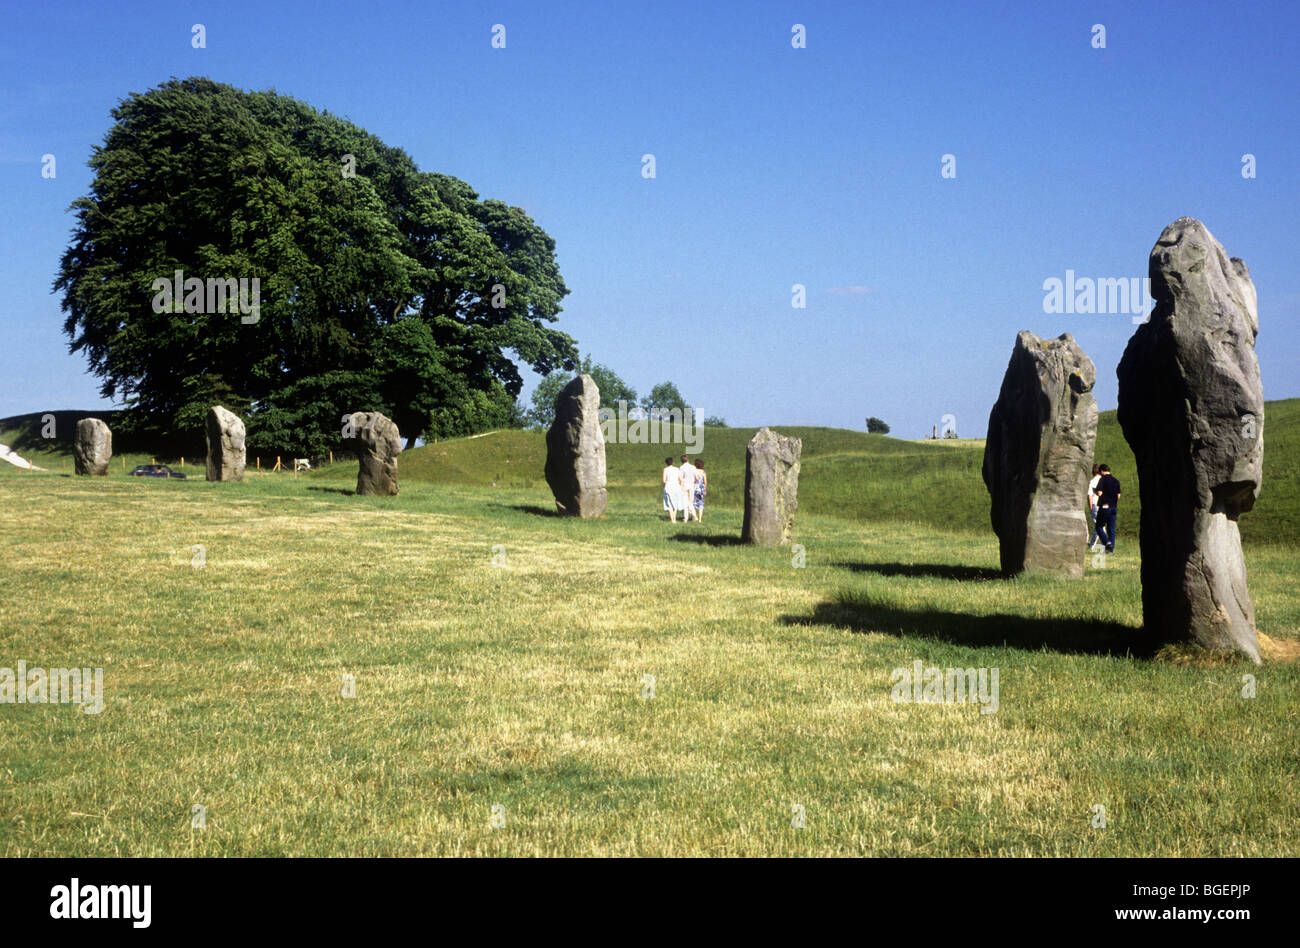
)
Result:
{"points": [[612, 390], [378, 286], [662, 399]]}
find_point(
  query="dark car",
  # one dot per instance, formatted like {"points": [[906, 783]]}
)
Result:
{"points": [[155, 470]]}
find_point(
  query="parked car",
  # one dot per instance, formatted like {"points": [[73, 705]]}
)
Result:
{"points": [[155, 470]]}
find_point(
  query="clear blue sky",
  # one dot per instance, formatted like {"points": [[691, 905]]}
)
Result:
{"points": [[775, 166]]}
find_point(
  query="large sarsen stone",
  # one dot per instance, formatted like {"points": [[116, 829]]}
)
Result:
{"points": [[377, 442], [1192, 408], [771, 488], [225, 434], [93, 447], [1038, 456], [575, 451]]}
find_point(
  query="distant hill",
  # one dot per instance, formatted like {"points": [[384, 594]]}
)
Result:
{"points": [[844, 473], [856, 475], [25, 434]]}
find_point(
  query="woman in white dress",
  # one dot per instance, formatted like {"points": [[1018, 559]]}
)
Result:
{"points": [[674, 496], [688, 472]]}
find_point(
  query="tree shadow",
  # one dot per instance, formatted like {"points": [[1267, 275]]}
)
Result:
{"points": [[937, 570], [334, 490], [1070, 636], [708, 539]]}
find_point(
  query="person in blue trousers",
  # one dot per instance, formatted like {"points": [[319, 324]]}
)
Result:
{"points": [[1108, 495]]}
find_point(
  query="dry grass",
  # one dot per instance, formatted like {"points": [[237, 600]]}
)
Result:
{"points": [[521, 685]]}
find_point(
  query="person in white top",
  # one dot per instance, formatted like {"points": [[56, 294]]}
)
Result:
{"points": [[688, 488], [674, 499], [1092, 505]]}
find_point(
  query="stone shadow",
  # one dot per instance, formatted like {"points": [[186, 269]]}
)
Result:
{"points": [[536, 511], [708, 539], [936, 570], [334, 490], [1071, 636]]}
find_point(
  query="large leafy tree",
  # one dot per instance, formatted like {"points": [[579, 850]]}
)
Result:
{"points": [[381, 286]]}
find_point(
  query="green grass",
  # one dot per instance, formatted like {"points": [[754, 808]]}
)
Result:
{"points": [[520, 684], [856, 476], [845, 474]]}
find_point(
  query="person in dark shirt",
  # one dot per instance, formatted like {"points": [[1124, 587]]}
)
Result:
{"points": [[1107, 507]]}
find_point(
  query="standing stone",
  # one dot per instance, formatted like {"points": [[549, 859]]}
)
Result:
{"points": [[1192, 409], [93, 447], [575, 451], [225, 434], [771, 488], [1038, 456], [378, 443]]}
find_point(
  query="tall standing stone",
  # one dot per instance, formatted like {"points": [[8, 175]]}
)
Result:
{"points": [[575, 451], [771, 488], [1038, 456], [93, 447], [225, 434], [1192, 408], [377, 442]]}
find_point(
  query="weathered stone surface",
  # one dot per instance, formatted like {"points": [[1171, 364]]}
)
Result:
{"points": [[225, 433], [771, 488], [1038, 456], [93, 447], [1192, 408], [377, 442], [575, 451]]}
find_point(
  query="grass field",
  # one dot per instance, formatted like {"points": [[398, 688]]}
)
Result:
{"points": [[500, 656]]}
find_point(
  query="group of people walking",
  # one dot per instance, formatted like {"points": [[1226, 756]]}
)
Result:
{"points": [[1103, 499], [684, 489]]}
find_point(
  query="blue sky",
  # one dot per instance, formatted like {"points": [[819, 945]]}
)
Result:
{"points": [[775, 166]]}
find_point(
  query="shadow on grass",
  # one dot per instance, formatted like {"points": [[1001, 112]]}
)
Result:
{"points": [[1071, 636], [709, 539], [535, 510], [937, 570], [334, 490]]}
